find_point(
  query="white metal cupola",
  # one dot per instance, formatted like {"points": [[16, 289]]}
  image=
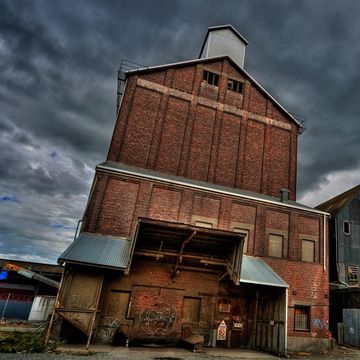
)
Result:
{"points": [[224, 40]]}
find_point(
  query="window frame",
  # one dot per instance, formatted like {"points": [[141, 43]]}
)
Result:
{"points": [[306, 308], [235, 86], [281, 248], [302, 250], [211, 78]]}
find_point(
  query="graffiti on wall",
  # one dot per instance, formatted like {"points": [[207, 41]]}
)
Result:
{"points": [[158, 321], [106, 335], [320, 324]]}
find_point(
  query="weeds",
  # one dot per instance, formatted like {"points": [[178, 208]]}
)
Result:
{"points": [[22, 342]]}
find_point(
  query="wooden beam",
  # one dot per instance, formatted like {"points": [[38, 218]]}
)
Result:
{"points": [[154, 253], [179, 258]]}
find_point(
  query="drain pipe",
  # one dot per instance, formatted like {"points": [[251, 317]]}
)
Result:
{"points": [[286, 320], [325, 231]]}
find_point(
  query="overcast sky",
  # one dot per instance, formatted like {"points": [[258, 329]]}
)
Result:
{"points": [[58, 68]]}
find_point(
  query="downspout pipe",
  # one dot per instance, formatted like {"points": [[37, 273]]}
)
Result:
{"points": [[325, 247], [286, 320]]}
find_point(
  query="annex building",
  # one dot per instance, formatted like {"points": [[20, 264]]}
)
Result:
{"points": [[192, 229]]}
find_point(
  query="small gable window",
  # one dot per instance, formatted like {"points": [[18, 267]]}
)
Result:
{"points": [[211, 78], [234, 85], [346, 227]]}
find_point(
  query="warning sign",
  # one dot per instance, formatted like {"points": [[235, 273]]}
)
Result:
{"points": [[221, 331]]}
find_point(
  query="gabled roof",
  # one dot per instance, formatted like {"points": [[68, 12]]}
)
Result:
{"points": [[213, 59], [334, 205], [221, 27]]}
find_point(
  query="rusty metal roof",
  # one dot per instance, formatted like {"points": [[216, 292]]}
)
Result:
{"points": [[256, 271], [334, 205], [98, 250]]}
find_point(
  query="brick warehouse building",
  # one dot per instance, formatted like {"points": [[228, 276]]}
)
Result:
{"points": [[192, 225]]}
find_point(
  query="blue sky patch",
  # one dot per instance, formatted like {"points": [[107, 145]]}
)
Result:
{"points": [[61, 226], [8, 198]]}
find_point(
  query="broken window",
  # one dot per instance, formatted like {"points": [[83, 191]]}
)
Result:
{"points": [[308, 251], [211, 78], [346, 227], [275, 245], [301, 318], [191, 309], [352, 273], [234, 85]]}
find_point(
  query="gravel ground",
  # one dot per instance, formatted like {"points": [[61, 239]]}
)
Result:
{"points": [[152, 354]]}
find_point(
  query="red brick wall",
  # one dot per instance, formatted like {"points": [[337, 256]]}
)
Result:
{"points": [[154, 290], [173, 122], [123, 199]]}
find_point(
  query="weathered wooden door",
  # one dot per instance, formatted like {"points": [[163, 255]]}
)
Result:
{"points": [[270, 322], [79, 298], [239, 331]]}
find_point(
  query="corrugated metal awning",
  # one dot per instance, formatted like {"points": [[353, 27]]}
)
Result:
{"points": [[98, 250], [256, 271]]}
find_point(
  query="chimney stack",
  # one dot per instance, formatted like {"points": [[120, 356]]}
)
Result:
{"points": [[284, 195]]}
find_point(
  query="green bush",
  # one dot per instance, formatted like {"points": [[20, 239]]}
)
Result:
{"points": [[22, 342]]}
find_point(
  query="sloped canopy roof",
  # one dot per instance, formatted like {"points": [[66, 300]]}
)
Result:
{"points": [[99, 251], [256, 271], [334, 205]]}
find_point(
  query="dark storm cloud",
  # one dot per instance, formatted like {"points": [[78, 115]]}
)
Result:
{"points": [[58, 67]]}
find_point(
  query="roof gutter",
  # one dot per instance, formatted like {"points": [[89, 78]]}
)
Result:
{"points": [[110, 169]]}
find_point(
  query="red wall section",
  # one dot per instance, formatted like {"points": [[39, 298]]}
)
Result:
{"points": [[254, 150], [201, 141], [228, 150], [174, 122], [118, 207], [139, 131], [172, 136], [164, 204]]}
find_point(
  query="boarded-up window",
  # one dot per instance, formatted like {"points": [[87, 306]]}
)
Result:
{"points": [[301, 318], [117, 304], [308, 251], [191, 309], [246, 236], [275, 245]]}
